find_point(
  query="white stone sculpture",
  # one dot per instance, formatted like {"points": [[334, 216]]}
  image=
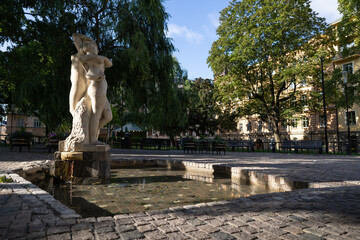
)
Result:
{"points": [[88, 103]]}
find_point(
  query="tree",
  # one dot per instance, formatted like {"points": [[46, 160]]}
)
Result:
{"points": [[264, 52], [130, 33], [349, 26], [206, 116]]}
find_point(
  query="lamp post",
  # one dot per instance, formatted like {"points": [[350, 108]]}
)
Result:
{"points": [[345, 75], [324, 105]]}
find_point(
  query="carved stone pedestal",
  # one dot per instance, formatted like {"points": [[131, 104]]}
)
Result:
{"points": [[89, 164]]}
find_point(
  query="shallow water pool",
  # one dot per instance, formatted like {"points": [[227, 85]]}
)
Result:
{"points": [[138, 190]]}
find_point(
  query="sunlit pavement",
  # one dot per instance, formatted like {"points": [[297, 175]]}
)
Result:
{"points": [[329, 210]]}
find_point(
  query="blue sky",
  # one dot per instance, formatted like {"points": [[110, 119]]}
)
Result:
{"points": [[192, 26]]}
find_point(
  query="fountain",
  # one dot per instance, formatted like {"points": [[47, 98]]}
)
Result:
{"points": [[81, 157]]}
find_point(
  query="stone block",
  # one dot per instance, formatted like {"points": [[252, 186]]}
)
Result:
{"points": [[72, 156], [83, 167]]}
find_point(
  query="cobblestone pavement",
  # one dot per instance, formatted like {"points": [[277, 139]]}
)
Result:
{"points": [[331, 211]]}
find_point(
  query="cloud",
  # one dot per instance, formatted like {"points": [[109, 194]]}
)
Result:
{"points": [[214, 19], [182, 31], [326, 9]]}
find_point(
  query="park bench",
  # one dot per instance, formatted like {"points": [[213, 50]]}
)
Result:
{"points": [[249, 144], [204, 146], [189, 147], [154, 142], [17, 142], [219, 147], [303, 145]]}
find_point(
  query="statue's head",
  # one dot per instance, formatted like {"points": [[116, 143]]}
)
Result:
{"points": [[84, 44]]}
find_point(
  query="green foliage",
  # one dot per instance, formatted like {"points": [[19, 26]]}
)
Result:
{"points": [[4, 179], [349, 27], [264, 51], [35, 72], [206, 116], [335, 89]]}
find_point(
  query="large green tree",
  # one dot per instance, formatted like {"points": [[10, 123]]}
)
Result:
{"points": [[265, 50], [36, 68]]}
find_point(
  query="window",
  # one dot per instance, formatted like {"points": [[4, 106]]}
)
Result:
{"points": [[283, 124], [352, 118], [322, 121], [270, 128], [21, 122], [348, 67], [248, 126], [259, 126], [303, 99], [294, 122], [305, 122], [241, 128], [37, 123]]}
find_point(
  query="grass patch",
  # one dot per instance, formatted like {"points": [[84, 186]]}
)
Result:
{"points": [[4, 179]]}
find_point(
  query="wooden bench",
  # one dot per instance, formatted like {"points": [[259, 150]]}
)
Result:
{"points": [[303, 145], [219, 147], [155, 142], [249, 144], [204, 146], [19, 143], [189, 147]]}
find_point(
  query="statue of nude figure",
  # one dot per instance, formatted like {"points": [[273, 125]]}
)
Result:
{"points": [[94, 66], [88, 80]]}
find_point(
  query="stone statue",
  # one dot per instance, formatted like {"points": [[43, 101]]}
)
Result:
{"points": [[88, 103]]}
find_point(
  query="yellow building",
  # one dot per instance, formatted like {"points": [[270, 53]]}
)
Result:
{"points": [[17, 121]]}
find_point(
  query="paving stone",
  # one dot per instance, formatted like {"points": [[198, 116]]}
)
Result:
{"points": [[104, 224], [244, 235], [57, 230], [81, 226], [177, 236], [104, 229], [207, 228], [82, 235], [222, 236], [229, 229], [154, 235], [107, 236], [125, 228], [63, 236], [36, 235], [167, 229], [124, 221], [146, 228], [195, 222], [132, 235], [104, 219], [186, 228]]}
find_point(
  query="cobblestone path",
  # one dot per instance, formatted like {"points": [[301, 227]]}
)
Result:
{"points": [[331, 211]]}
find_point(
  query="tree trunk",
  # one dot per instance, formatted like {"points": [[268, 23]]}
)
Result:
{"points": [[172, 140], [277, 135]]}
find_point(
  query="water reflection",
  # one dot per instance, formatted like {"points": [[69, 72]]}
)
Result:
{"points": [[137, 190]]}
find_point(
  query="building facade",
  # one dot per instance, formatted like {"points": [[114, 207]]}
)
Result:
{"points": [[18, 121]]}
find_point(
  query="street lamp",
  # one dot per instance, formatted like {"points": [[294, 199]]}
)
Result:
{"points": [[324, 105], [345, 75]]}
